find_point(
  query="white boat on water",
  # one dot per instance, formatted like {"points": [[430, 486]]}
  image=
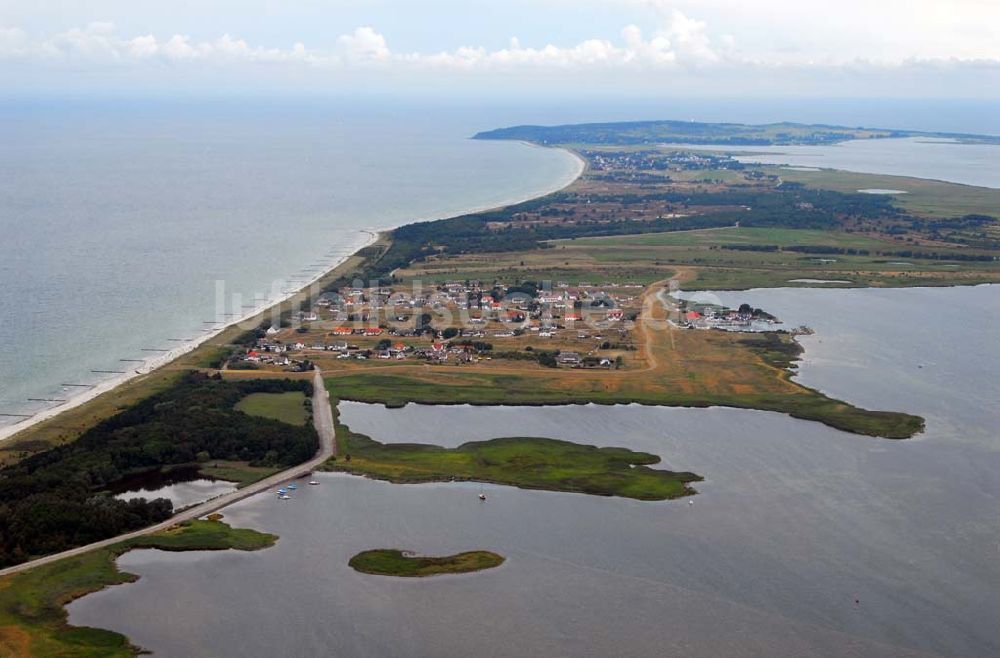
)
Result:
{"points": [[313, 482]]}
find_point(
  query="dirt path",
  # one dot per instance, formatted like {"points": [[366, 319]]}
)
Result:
{"points": [[322, 420]]}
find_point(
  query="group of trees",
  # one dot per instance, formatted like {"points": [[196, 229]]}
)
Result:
{"points": [[59, 498], [790, 206], [853, 251]]}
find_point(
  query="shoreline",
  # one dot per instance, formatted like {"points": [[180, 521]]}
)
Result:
{"points": [[151, 364], [156, 362]]}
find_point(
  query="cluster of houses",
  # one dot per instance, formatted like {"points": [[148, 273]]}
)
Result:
{"points": [[373, 322], [459, 352], [457, 317], [711, 316], [274, 352], [660, 160], [475, 306]]}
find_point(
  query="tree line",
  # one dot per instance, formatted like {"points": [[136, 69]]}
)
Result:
{"points": [[59, 498]]}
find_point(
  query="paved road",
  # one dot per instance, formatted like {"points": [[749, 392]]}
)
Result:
{"points": [[323, 421]]}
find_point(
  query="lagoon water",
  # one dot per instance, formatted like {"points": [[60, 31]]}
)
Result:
{"points": [[971, 164], [118, 218], [181, 486], [802, 541]]}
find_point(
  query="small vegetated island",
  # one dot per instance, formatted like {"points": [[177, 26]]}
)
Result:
{"points": [[405, 564]]}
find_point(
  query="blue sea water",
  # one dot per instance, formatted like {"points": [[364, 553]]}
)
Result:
{"points": [[118, 219]]}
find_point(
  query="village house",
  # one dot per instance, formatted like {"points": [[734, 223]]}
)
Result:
{"points": [[568, 358]]}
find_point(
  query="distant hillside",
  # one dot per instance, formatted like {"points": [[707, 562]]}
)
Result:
{"points": [[693, 132]]}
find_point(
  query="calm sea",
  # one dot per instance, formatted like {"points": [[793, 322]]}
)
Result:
{"points": [[118, 220]]}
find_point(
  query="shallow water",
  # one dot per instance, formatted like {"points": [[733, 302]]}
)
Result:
{"points": [[794, 523]]}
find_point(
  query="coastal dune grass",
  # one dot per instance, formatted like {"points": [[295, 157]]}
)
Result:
{"points": [[393, 562], [524, 462], [32, 614]]}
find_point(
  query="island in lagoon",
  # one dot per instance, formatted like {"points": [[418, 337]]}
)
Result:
{"points": [[571, 298], [406, 564]]}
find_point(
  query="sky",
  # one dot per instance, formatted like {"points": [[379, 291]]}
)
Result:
{"points": [[896, 48]]}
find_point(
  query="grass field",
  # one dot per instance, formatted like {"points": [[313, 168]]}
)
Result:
{"points": [[650, 257], [239, 472], [392, 562], [783, 237], [285, 407], [524, 462], [32, 613], [929, 198]]}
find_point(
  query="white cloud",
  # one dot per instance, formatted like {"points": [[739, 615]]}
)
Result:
{"points": [[677, 47], [178, 48], [13, 42], [95, 41], [98, 43], [141, 47], [365, 44], [681, 41]]}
